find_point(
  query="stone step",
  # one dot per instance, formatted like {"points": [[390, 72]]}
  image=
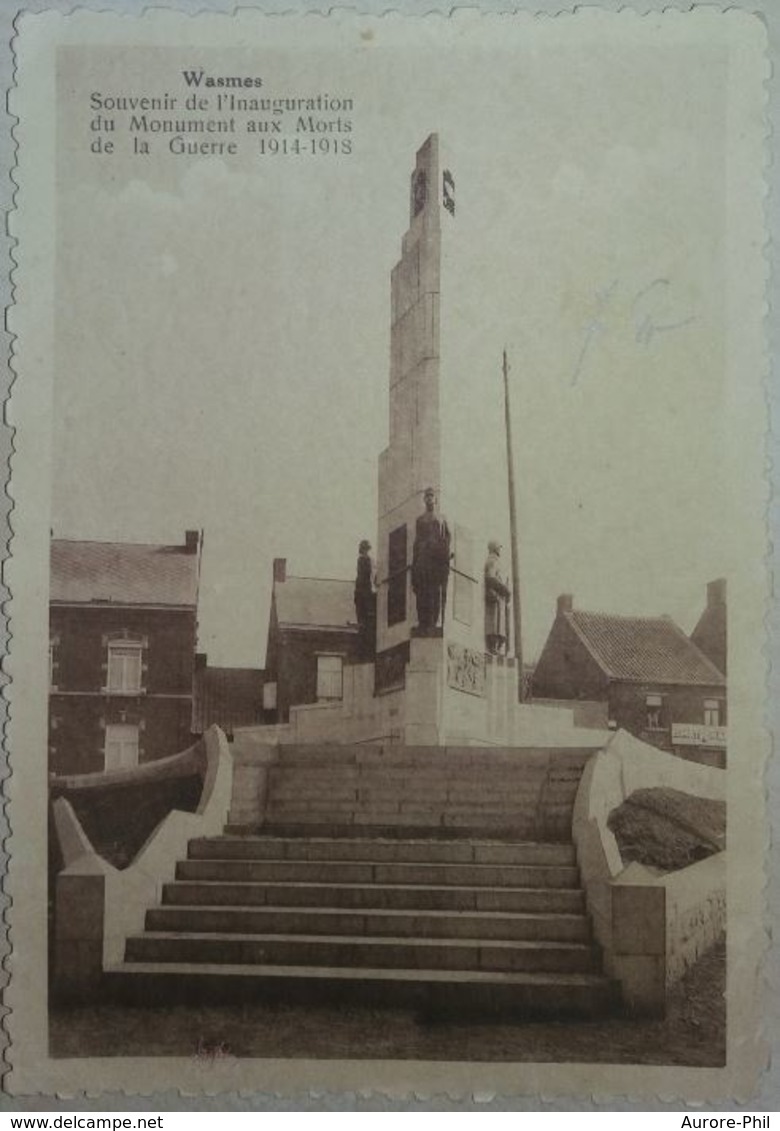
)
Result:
{"points": [[400, 896], [472, 791], [430, 777], [446, 770], [426, 758], [371, 921], [497, 824], [401, 851], [349, 950], [512, 811], [499, 994], [382, 794], [523, 791], [518, 785], [311, 827], [368, 872]]}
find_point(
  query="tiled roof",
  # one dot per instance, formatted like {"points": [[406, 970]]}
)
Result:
{"points": [[227, 697], [644, 649], [315, 602], [123, 573]]}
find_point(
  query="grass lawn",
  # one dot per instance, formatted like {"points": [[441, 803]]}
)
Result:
{"points": [[692, 1033]]}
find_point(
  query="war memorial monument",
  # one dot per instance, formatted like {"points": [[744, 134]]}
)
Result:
{"points": [[431, 839]]}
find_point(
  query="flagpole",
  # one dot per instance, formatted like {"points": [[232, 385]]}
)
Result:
{"points": [[516, 607]]}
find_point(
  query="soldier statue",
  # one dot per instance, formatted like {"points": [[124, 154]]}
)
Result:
{"points": [[365, 598], [430, 565], [497, 596]]}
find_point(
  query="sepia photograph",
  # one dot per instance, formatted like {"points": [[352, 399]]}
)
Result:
{"points": [[403, 541]]}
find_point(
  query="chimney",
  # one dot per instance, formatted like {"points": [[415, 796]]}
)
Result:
{"points": [[201, 661], [280, 570], [191, 541], [716, 592], [565, 603]]}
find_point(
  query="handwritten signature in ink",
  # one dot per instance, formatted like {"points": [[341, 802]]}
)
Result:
{"points": [[646, 324]]}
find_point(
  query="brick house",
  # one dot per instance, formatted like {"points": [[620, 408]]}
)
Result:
{"points": [[312, 634], [656, 682], [226, 697], [122, 636]]}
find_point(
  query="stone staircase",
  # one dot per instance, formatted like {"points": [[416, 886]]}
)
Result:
{"points": [[522, 794], [424, 922]]}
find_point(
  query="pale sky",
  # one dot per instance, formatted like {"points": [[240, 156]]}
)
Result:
{"points": [[223, 330]]}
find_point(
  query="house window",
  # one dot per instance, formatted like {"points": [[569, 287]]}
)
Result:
{"points": [[712, 713], [124, 666], [653, 705], [330, 683], [121, 750]]}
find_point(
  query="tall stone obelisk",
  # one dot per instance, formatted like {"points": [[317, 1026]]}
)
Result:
{"points": [[412, 460], [415, 460]]}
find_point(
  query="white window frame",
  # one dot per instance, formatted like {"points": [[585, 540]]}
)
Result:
{"points": [[125, 739], [653, 706], [327, 693], [133, 650], [713, 707]]}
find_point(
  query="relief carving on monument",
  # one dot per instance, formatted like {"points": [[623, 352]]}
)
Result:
{"points": [[466, 669]]}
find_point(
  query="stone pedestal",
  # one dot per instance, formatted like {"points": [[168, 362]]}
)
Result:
{"points": [[424, 698]]}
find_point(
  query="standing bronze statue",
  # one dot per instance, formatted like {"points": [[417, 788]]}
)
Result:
{"points": [[365, 598], [497, 594], [430, 565]]}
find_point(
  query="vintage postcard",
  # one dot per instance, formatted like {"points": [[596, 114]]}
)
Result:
{"points": [[388, 569]]}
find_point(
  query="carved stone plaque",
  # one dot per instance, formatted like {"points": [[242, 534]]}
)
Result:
{"points": [[390, 668], [466, 669]]}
